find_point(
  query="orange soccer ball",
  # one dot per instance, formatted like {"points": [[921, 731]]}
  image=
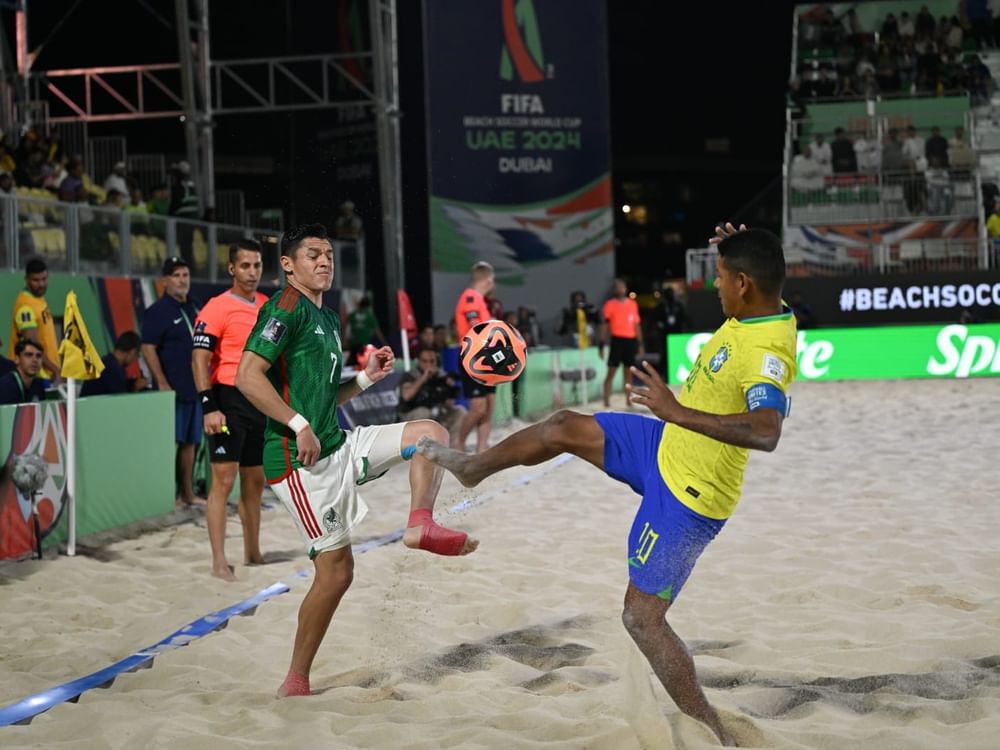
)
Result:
{"points": [[493, 353]]}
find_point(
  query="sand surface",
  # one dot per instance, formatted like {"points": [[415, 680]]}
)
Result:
{"points": [[852, 601]]}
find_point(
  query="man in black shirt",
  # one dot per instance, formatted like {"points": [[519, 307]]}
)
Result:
{"points": [[428, 392], [22, 384], [114, 379]]}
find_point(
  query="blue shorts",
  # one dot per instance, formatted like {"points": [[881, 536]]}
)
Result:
{"points": [[666, 537], [187, 422]]}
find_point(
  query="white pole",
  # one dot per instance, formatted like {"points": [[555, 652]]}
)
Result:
{"points": [[405, 341], [71, 462]]}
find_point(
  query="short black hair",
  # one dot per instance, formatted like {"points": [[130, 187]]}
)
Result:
{"points": [[128, 341], [294, 237], [244, 243], [758, 254], [23, 344], [35, 265]]}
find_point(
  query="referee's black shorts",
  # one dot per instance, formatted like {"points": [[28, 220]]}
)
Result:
{"points": [[473, 389], [622, 351], [245, 441]]}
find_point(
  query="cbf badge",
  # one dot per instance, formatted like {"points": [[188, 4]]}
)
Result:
{"points": [[721, 357]]}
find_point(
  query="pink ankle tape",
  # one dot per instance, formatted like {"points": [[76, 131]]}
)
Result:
{"points": [[420, 517], [296, 684]]}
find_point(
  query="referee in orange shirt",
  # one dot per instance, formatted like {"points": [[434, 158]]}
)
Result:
{"points": [[621, 315], [235, 429]]}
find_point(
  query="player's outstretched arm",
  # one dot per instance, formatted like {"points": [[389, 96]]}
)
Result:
{"points": [[759, 429], [251, 380]]}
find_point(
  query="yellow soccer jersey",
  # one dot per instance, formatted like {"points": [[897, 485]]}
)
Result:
{"points": [[31, 312], [703, 473]]}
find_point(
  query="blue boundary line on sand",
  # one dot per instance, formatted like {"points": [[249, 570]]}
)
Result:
{"points": [[24, 710]]}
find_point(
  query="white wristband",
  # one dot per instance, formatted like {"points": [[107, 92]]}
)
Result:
{"points": [[297, 423], [364, 382]]}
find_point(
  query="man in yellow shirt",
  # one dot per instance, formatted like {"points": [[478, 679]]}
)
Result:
{"points": [[32, 319], [688, 462]]}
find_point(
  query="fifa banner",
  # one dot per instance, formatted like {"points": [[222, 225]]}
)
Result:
{"points": [[378, 405], [519, 150], [889, 353], [36, 429]]}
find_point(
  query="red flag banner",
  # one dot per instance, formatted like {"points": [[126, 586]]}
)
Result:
{"points": [[407, 320]]}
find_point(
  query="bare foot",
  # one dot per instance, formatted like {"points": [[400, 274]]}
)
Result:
{"points": [[225, 572], [295, 685], [459, 464], [183, 503], [257, 559]]}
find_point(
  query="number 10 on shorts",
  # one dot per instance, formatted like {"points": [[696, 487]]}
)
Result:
{"points": [[647, 540]]}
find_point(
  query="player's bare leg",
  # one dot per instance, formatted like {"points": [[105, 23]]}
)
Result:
{"points": [[251, 489], [223, 477], [563, 432], [334, 573], [472, 419], [425, 481], [644, 617], [483, 430]]}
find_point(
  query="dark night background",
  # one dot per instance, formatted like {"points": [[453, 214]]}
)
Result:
{"points": [[697, 115]]}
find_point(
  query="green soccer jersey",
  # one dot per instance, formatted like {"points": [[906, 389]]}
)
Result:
{"points": [[302, 343]]}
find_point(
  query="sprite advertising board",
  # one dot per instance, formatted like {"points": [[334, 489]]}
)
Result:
{"points": [[883, 353]]}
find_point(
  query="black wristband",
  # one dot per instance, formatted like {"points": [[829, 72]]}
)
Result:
{"points": [[208, 402]]}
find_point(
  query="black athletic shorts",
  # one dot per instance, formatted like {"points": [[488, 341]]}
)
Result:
{"points": [[622, 351], [245, 441], [472, 389]]}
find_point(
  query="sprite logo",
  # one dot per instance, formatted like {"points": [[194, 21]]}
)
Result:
{"points": [[962, 355], [882, 353], [522, 49]]}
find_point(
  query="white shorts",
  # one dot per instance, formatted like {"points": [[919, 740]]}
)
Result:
{"points": [[323, 498]]}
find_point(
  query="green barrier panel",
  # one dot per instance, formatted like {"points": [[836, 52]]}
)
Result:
{"points": [[124, 461], [535, 387], [883, 353]]}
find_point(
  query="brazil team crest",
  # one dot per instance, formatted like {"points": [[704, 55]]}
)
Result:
{"points": [[721, 357]]}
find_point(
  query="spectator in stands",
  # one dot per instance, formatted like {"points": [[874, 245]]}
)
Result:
{"points": [[362, 329], [184, 205], [803, 313], [115, 377], [116, 180], [428, 392], [6, 365], [847, 90], [69, 188], [924, 24], [159, 202], [805, 174], [940, 193], [936, 148], [440, 337], [22, 384], [914, 149], [960, 154], [906, 26], [893, 159], [32, 320], [7, 162], [993, 223], [953, 37], [349, 226], [527, 324], [906, 64], [868, 86], [980, 82], [7, 186], [952, 74], [886, 72], [115, 199], [890, 27], [869, 153], [845, 161], [580, 321], [850, 24], [425, 340], [821, 153], [167, 343]]}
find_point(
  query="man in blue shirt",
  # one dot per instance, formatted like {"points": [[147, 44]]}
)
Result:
{"points": [[6, 365], [23, 385], [167, 342], [114, 379]]}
